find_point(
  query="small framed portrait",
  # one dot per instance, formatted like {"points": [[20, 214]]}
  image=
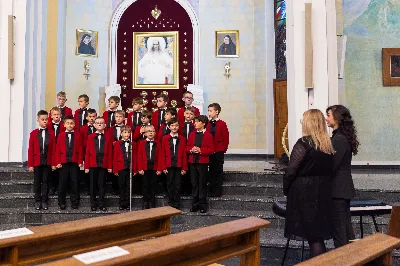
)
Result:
{"points": [[227, 43], [87, 43], [156, 60], [391, 66]]}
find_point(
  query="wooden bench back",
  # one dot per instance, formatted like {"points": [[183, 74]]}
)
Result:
{"points": [[55, 241], [201, 246], [374, 248], [394, 222]]}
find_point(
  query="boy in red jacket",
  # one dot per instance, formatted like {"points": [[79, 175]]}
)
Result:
{"points": [[173, 162], [158, 117], [219, 130], [40, 154], [139, 133], [80, 114], [64, 110], [109, 115], [164, 130], [97, 162], [186, 129], [134, 117], [69, 158], [124, 159], [188, 100], [200, 146], [148, 151]]}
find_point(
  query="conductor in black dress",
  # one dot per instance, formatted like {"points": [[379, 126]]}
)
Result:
{"points": [[307, 184], [345, 143]]}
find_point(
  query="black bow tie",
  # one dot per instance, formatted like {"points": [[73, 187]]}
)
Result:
{"points": [[91, 126], [150, 141], [83, 109], [137, 112], [199, 132], [175, 137], [161, 109], [56, 124], [45, 129], [99, 134], [188, 123], [117, 126], [112, 112], [69, 133], [126, 141], [213, 122]]}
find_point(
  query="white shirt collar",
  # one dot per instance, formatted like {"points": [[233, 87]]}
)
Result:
{"points": [[216, 119], [69, 131], [204, 130], [99, 132], [147, 139], [60, 106], [57, 123]]}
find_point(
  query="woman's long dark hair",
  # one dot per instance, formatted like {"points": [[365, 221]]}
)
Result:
{"points": [[346, 125]]}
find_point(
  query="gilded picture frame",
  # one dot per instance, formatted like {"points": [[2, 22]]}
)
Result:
{"points": [[227, 43], [156, 60], [391, 66], [87, 43]]}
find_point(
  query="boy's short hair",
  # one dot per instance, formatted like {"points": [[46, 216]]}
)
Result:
{"points": [[91, 111], [172, 111], [126, 128], [148, 114], [69, 118], [148, 126], [55, 109], [163, 96], [115, 99], [191, 109], [62, 94], [100, 117], [202, 118], [42, 112], [187, 92], [84, 96], [216, 107], [120, 112], [137, 100], [173, 121]]}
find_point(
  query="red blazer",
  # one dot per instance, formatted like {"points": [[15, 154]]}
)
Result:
{"points": [[119, 160], [60, 155], [183, 129], [34, 149], [76, 117], [110, 133], [207, 147], [142, 157], [137, 135], [154, 119], [68, 111], [159, 135], [221, 137], [165, 159], [105, 116], [90, 156], [129, 120], [50, 127], [84, 136], [181, 114]]}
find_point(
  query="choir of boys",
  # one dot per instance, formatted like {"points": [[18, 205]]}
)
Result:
{"points": [[181, 144]]}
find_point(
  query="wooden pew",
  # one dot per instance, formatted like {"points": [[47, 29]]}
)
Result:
{"points": [[374, 248], [202, 246], [55, 241]]}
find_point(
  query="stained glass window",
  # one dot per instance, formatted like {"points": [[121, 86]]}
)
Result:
{"points": [[280, 38]]}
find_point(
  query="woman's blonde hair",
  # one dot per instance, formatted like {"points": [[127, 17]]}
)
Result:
{"points": [[314, 126]]}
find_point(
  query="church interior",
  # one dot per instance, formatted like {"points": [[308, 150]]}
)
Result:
{"points": [[264, 62]]}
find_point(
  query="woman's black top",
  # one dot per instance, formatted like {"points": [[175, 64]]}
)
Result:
{"points": [[308, 186], [343, 186]]}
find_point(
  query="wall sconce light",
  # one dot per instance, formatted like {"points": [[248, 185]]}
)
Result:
{"points": [[86, 66], [227, 73]]}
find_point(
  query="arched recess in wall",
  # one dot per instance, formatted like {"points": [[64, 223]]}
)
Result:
{"points": [[116, 38]]}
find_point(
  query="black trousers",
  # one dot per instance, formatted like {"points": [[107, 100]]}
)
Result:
{"points": [[198, 175], [124, 186], [149, 186], [174, 186], [54, 179], [69, 172], [215, 175], [41, 176], [342, 228], [97, 183]]}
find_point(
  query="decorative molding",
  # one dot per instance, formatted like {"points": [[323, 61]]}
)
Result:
{"points": [[112, 77]]}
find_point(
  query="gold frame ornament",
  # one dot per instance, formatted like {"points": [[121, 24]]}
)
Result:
{"points": [[219, 42], [85, 47], [138, 39]]}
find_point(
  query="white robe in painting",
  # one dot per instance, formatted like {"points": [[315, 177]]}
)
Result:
{"points": [[156, 66]]}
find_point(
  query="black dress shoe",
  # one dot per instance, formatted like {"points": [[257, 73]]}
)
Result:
{"points": [[103, 208], [93, 208], [63, 207], [194, 209], [38, 205], [45, 206], [203, 210]]}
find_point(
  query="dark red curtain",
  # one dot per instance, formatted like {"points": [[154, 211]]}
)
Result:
{"points": [[173, 18]]}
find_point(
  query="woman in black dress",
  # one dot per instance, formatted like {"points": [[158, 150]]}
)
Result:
{"points": [[308, 184], [344, 141]]}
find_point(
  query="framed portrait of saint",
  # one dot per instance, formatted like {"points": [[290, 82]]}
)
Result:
{"points": [[87, 43], [227, 43], [391, 66], [156, 60]]}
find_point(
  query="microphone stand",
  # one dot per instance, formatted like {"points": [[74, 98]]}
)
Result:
{"points": [[130, 174]]}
